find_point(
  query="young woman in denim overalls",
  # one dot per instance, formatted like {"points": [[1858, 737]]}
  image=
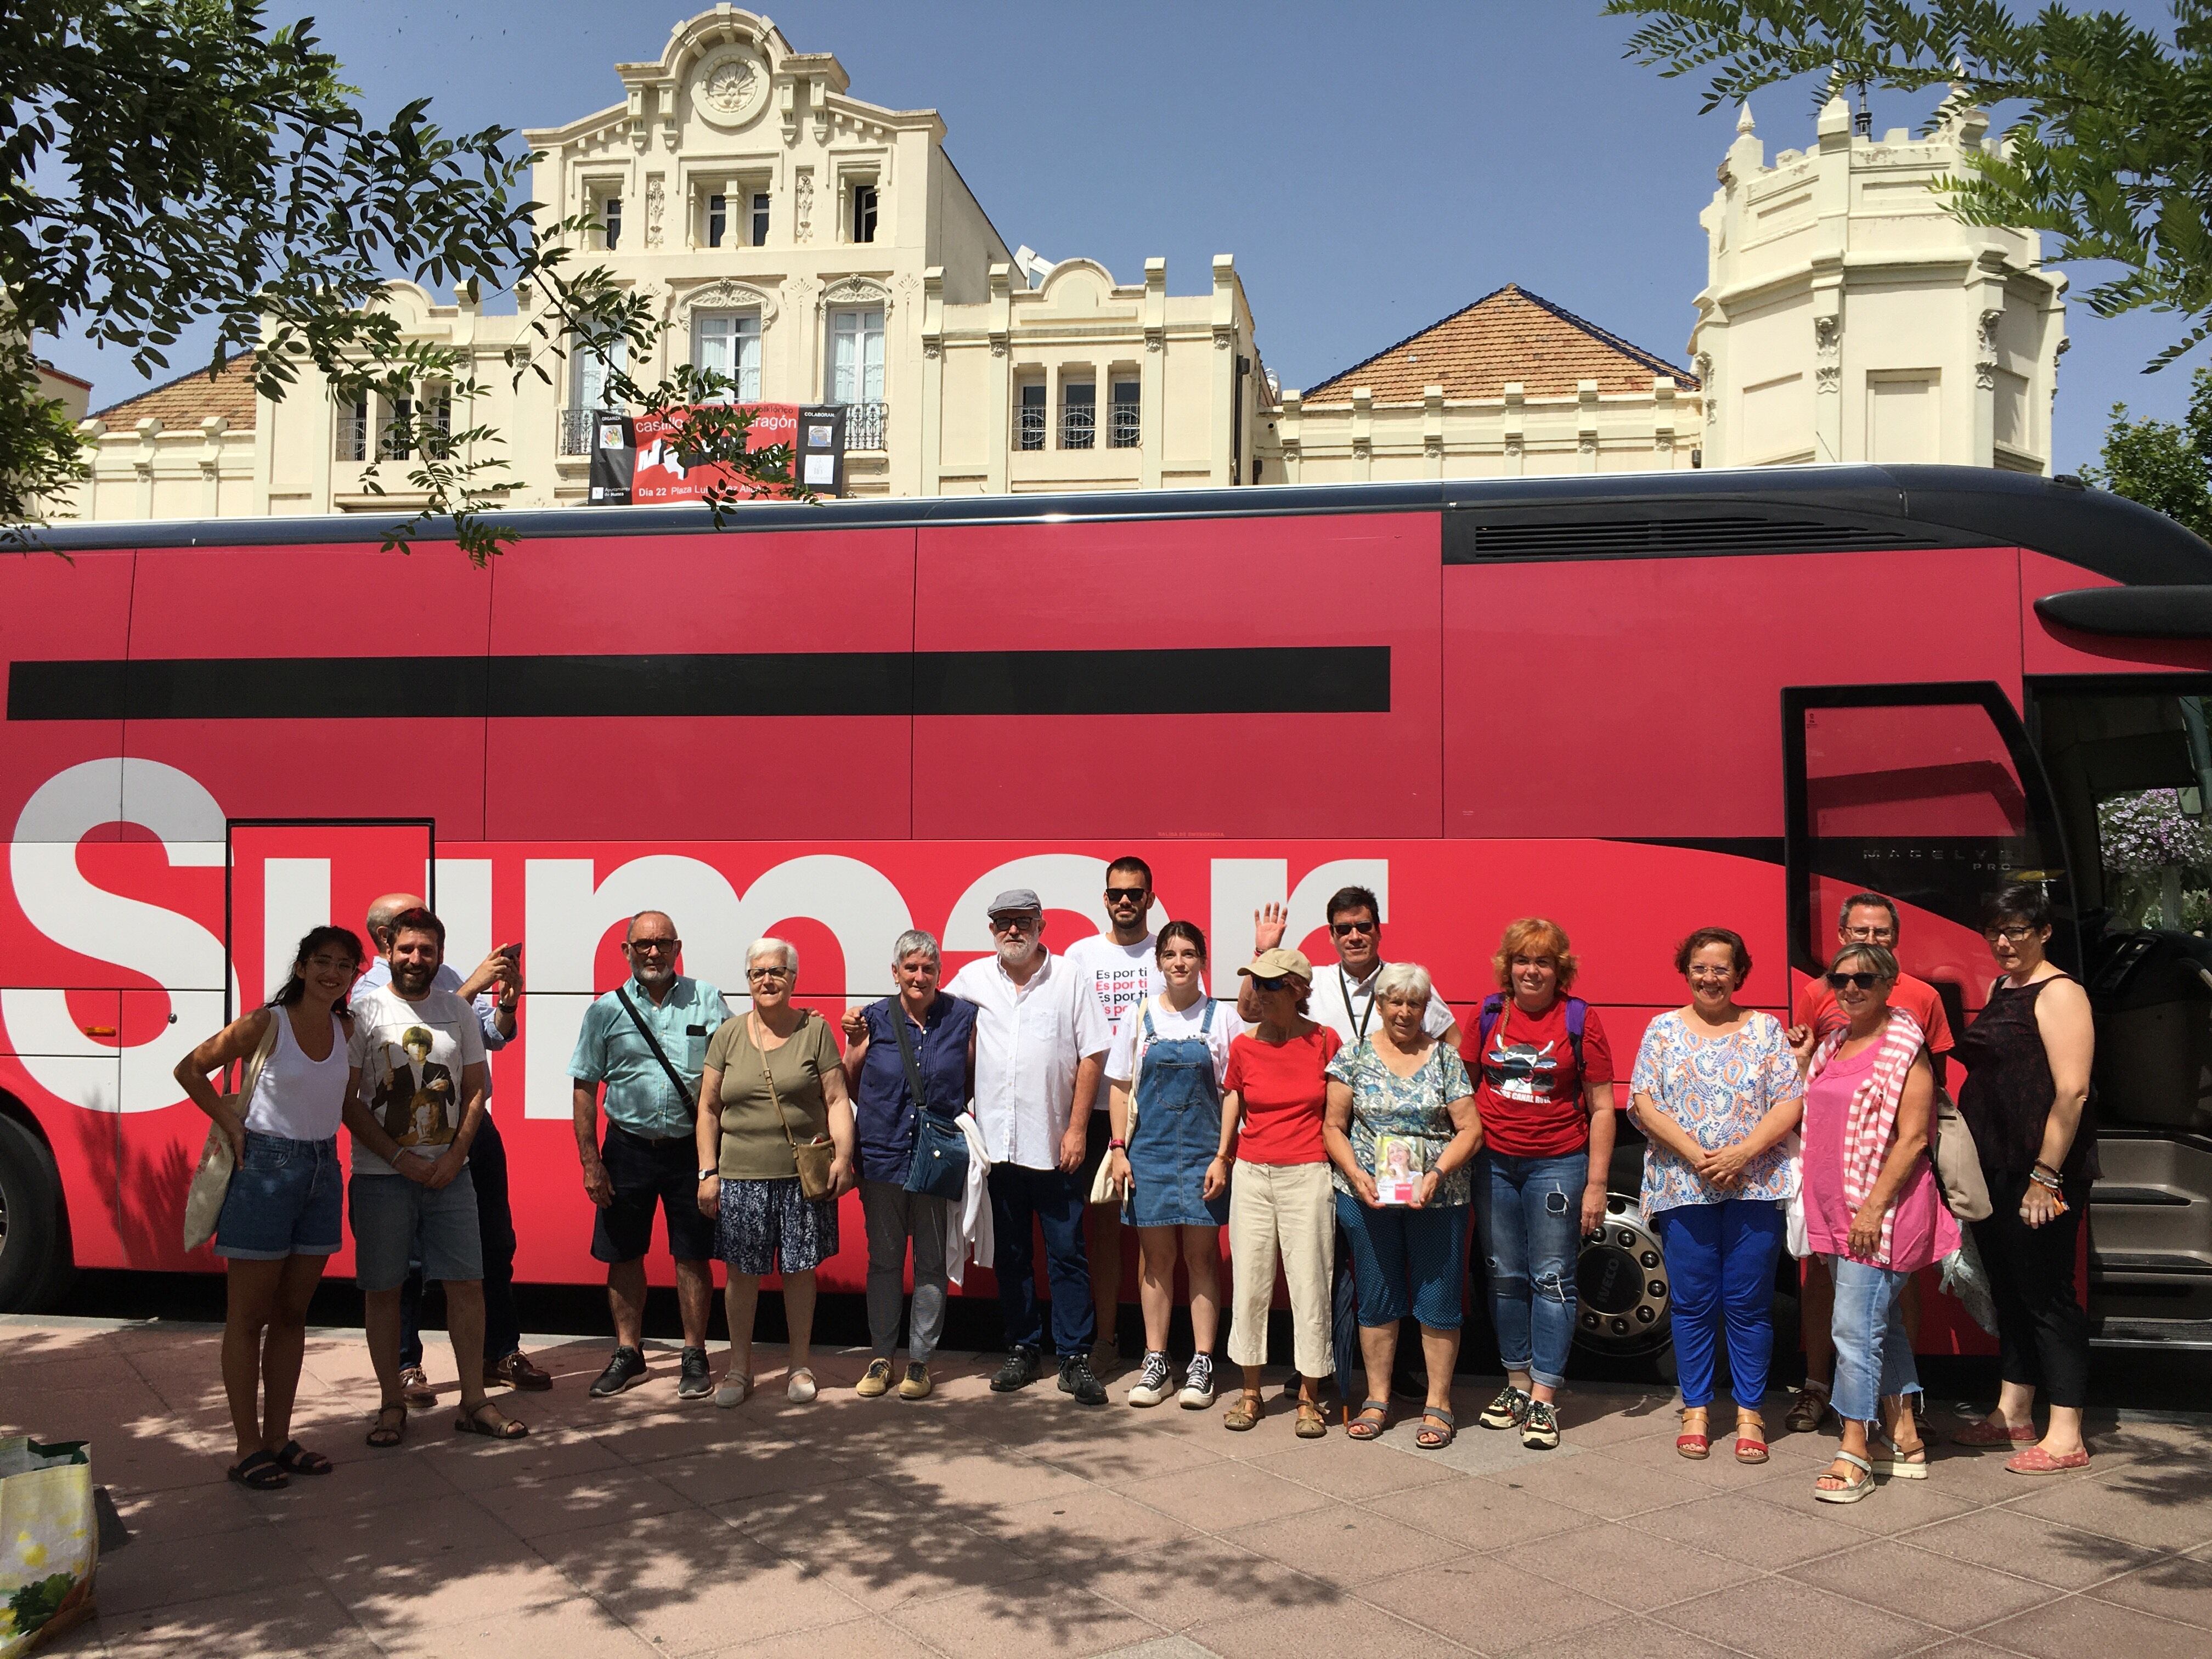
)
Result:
{"points": [[1168, 1060]]}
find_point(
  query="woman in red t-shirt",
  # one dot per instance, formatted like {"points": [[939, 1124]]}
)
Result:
{"points": [[1544, 1092], [1281, 1204]]}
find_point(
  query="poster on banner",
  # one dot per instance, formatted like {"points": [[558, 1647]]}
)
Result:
{"points": [[640, 460]]}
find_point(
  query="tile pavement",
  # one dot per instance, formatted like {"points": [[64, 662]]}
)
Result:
{"points": [[971, 1523]]}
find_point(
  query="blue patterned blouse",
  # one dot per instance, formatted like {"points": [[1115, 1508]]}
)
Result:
{"points": [[1717, 1088], [1384, 1103]]}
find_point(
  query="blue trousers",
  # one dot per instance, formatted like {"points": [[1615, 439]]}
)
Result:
{"points": [[1020, 1196], [1874, 1356], [1529, 1211], [1720, 1265]]}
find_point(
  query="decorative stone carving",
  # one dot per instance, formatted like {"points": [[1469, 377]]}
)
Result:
{"points": [[1827, 353], [656, 204], [856, 291], [1986, 338], [724, 294], [730, 87], [1587, 443], [802, 223]]}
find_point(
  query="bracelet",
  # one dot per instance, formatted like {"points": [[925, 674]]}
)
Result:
{"points": [[2050, 1183], [1117, 1145]]}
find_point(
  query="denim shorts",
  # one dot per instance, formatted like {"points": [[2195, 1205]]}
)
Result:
{"points": [[396, 1222], [286, 1199]]}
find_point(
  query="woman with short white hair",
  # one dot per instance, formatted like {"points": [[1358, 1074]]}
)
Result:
{"points": [[772, 1101], [1401, 1087]]}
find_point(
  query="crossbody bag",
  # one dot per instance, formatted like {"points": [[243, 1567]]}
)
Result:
{"points": [[940, 1169], [812, 1158]]}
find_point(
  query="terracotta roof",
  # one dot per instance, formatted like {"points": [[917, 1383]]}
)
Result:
{"points": [[182, 403], [1509, 335]]}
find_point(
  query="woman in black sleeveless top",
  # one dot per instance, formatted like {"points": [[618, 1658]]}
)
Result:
{"points": [[2026, 1099]]}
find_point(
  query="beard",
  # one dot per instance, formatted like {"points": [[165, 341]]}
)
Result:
{"points": [[654, 975], [412, 982], [1014, 952]]}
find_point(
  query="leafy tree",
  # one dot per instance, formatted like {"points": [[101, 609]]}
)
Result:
{"points": [[2113, 151], [2162, 464], [164, 163]]}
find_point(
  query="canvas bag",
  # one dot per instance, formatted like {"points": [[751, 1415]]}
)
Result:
{"points": [[52, 1537], [211, 1179], [1958, 1162]]}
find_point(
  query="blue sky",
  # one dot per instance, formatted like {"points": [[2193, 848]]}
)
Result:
{"points": [[1372, 168]]}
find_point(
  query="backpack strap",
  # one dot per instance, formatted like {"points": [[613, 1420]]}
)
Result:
{"points": [[1493, 1009], [1578, 1018]]}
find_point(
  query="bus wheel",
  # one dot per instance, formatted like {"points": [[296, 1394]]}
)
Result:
{"points": [[34, 1258], [1621, 1279]]}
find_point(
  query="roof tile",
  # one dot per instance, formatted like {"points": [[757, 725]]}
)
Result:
{"points": [[184, 403]]}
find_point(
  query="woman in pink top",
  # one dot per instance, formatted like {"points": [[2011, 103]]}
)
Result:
{"points": [[1872, 1208]]}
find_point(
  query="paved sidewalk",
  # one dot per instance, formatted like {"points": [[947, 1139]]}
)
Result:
{"points": [[971, 1523]]}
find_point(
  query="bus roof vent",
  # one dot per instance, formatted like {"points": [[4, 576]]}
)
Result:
{"points": [[1480, 535]]}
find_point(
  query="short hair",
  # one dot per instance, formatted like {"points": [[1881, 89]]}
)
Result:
{"points": [[912, 943], [1870, 902], [1131, 862], [761, 946], [1705, 936], [417, 921], [416, 1037], [2024, 899], [1403, 982], [1353, 898], [1186, 930], [1879, 957], [1534, 935], [640, 916]]}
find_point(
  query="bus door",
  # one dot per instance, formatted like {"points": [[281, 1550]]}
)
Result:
{"points": [[1932, 795], [283, 878]]}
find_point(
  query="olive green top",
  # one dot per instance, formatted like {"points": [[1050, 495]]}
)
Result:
{"points": [[753, 1148]]}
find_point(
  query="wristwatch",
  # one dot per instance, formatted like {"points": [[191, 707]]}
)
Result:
{"points": [[704, 1174]]}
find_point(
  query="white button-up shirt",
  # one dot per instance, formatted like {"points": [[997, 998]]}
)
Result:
{"points": [[1029, 1041], [1348, 1015]]}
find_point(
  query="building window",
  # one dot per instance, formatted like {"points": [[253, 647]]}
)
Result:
{"points": [[760, 218], [352, 431], [611, 221], [1033, 414], [864, 213], [1078, 414], [718, 220], [856, 357], [1127, 428], [728, 343]]}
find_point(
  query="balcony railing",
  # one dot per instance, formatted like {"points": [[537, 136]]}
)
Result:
{"points": [[352, 444], [1127, 431], [1078, 425], [576, 431], [865, 425]]}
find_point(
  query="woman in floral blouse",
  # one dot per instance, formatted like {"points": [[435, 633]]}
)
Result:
{"points": [[1403, 1085], [1716, 1092]]}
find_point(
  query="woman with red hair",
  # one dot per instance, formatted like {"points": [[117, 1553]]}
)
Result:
{"points": [[1544, 1092]]}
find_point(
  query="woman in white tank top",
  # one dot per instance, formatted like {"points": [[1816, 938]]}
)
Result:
{"points": [[283, 1211]]}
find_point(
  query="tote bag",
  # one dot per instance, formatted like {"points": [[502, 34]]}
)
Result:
{"points": [[211, 1179]]}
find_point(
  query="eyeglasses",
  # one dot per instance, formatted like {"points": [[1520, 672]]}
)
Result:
{"points": [[1022, 924], [1259, 984], [1340, 928], [1881, 934], [1702, 974], [650, 945], [332, 964], [1865, 981], [768, 973], [2018, 933], [1125, 895]]}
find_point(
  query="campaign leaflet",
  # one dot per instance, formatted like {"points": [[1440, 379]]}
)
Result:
{"points": [[1401, 1161]]}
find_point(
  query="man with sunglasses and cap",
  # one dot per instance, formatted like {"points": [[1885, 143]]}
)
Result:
{"points": [[1119, 966], [1041, 1044]]}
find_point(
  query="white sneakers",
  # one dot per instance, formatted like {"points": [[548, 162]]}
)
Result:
{"points": [[1155, 1383], [1197, 1384]]}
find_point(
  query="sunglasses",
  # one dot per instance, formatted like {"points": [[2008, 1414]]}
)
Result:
{"points": [[1259, 984], [1125, 895], [1340, 928], [1865, 981]]}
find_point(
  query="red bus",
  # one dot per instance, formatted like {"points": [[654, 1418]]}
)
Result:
{"points": [[1636, 703]]}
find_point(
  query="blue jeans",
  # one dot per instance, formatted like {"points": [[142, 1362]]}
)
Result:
{"points": [[1407, 1260], [1530, 1213], [285, 1198], [1018, 1196], [1874, 1356], [1720, 1266]]}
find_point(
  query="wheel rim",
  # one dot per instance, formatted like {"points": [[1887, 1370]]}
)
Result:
{"points": [[1621, 1285]]}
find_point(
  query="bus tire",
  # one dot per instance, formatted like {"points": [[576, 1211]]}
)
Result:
{"points": [[1622, 1299], [34, 1254]]}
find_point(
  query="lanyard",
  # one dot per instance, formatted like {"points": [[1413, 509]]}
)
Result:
{"points": [[1358, 1023]]}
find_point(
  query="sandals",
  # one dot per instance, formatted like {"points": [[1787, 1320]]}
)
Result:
{"points": [[1808, 1410], [1360, 1428], [1429, 1440], [1986, 1433], [1245, 1414], [1853, 1487], [1693, 1444], [260, 1471], [385, 1435], [1899, 1461], [471, 1421], [415, 1389], [1311, 1426], [1750, 1437], [298, 1460]]}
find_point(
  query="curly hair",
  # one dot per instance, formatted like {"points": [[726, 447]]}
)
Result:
{"points": [[1705, 936], [1535, 936]]}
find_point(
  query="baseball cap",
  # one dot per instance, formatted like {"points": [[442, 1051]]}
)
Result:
{"points": [[1273, 964], [1015, 899]]}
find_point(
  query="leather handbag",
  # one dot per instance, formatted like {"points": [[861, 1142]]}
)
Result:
{"points": [[940, 1169], [813, 1158], [210, 1182], [1959, 1163]]}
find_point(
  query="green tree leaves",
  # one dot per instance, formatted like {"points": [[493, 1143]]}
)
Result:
{"points": [[2162, 464]]}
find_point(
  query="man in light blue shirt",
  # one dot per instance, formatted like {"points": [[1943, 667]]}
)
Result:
{"points": [[631, 1041]]}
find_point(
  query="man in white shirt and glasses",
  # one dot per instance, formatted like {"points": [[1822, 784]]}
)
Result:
{"points": [[1041, 1043]]}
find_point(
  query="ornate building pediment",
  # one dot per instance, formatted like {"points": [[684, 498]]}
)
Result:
{"points": [[723, 294], [857, 291], [730, 87]]}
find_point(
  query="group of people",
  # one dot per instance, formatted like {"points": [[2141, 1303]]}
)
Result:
{"points": [[1337, 1122]]}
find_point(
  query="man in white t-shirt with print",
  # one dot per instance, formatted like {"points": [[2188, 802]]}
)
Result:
{"points": [[1119, 967], [415, 1100]]}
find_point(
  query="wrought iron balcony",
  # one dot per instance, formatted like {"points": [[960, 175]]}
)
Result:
{"points": [[865, 425]]}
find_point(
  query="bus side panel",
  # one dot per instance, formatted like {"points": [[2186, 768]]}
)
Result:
{"points": [[680, 770], [1641, 696], [1292, 582], [306, 604], [2047, 648]]}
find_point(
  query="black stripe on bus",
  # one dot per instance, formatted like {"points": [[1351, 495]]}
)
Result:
{"points": [[1242, 680]]}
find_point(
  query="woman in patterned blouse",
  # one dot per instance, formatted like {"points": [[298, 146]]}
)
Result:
{"points": [[1402, 1084], [1716, 1092]]}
